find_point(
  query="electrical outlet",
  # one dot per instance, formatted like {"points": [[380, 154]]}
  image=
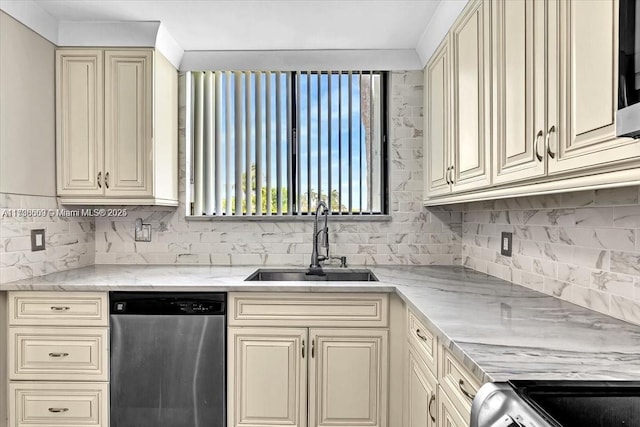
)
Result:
{"points": [[506, 243], [37, 240], [143, 233]]}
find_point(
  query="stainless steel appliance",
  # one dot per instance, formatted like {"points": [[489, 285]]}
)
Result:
{"points": [[557, 404], [628, 115], [167, 359]]}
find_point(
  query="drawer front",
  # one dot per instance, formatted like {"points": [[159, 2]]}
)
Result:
{"points": [[58, 308], [59, 354], [58, 404], [423, 341], [448, 415], [459, 384], [308, 310]]}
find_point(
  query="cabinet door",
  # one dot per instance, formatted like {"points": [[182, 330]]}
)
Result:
{"points": [[348, 377], [79, 111], [128, 123], [585, 129], [437, 100], [448, 416], [518, 89], [470, 38], [421, 393], [267, 377]]}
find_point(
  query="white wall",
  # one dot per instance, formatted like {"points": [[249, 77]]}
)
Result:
{"points": [[27, 111]]}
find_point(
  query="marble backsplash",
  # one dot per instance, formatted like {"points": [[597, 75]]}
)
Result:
{"points": [[69, 241], [413, 235], [583, 247]]}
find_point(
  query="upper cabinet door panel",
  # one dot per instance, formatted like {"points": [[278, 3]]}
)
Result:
{"points": [[518, 83], [79, 134], [128, 123], [471, 139], [437, 136], [588, 88]]}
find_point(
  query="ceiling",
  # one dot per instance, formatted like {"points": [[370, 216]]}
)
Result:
{"points": [[231, 25]]}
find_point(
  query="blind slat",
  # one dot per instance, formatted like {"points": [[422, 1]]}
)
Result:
{"points": [[278, 144], [208, 142], [268, 122], [218, 143], [198, 152], [247, 143], [289, 147], [259, 142], [229, 142]]}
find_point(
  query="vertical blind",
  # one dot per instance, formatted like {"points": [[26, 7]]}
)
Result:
{"points": [[275, 143]]}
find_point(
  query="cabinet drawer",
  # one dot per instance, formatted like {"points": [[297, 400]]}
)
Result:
{"points": [[308, 310], [58, 354], [58, 308], [58, 404], [423, 340], [448, 415], [456, 380]]}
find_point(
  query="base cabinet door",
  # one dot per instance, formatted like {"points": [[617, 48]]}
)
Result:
{"points": [[421, 393], [348, 377], [267, 384], [448, 416]]}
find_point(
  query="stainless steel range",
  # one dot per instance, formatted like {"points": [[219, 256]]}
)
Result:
{"points": [[557, 404]]}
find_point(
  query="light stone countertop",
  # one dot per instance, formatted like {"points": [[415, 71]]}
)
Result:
{"points": [[499, 330]]}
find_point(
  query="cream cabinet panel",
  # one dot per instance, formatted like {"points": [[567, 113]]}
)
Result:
{"points": [[584, 133], [421, 393], [128, 120], [267, 381], [437, 103], [58, 308], [41, 353], [423, 340], [305, 309], [448, 416], [470, 39], [518, 89], [80, 130], [58, 404], [348, 381]]}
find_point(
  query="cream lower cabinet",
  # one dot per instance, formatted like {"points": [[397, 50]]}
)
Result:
{"points": [[117, 127], [421, 397], [58, 359], [329, 369], [448, 416]]}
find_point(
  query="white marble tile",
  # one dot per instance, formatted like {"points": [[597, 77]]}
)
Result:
{"points": [[613, 283]]}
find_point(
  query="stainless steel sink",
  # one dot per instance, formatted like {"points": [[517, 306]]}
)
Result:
{"points": [[298, 274]]}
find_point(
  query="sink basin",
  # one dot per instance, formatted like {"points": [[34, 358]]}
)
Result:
{"points": [[298, 274]]}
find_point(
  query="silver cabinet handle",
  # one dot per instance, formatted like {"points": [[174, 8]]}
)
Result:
{"points": [[465, 392], [59, 308], [551, 130], [535, 145], [58, 410], [313, 348], [431, 401], [106, 180], [453, 168], [99, 179], [446, 176], [58, 354], [303, 349], [421, 335]]}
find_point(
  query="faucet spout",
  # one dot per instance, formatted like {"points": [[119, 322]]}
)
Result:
{"points": [[315, 256]]}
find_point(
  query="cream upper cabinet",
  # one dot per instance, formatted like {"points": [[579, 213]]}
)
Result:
{"points": [[348, 377], [128, 119], [471, 138], [269, 382], [117, 127], [421, 396], [79, 110], [457, 107], [582, 118], [518, 89], [437, 101]]}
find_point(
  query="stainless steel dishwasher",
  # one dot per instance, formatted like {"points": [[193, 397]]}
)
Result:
{"points": [[167, 359]]}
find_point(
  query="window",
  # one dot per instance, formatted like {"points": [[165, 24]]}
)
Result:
{"points": [[274, 143]]}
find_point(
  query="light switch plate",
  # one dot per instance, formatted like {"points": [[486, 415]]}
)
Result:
{"points": [[506, 243], [37, 239]]}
